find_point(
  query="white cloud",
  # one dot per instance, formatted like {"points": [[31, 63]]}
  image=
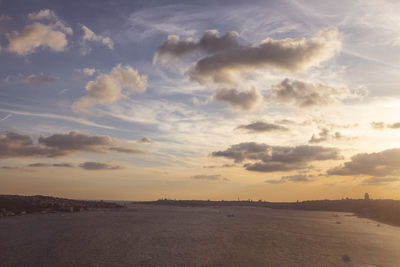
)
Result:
{"points": [[89, 35], [38, 79], [89, 71], [38, 35], [107, 88], [42, 14]]}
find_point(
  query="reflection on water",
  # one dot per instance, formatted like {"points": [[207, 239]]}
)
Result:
{"points": [[147, 235]]}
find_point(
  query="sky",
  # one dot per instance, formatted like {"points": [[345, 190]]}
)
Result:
{"points": [[140, 100]]}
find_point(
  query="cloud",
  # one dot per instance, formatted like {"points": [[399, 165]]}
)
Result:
{"points": [[209, 43], [75, 141], [52, 35], [307, 95], [213, 177], [380, 180], [325, 135], [40, 165], [13, 168], [38, 79], [89, 35], [381, 125], [207, 177], [87, 71], [43, 15], [222, 166], [378, 125], [290, 55], [58, 145], [61, 165], [261, 126], [378, 164], [98, 166], [297, 178], [291, 178], [265, 158], [64, 165], [6, 117], [126, 150], [244, 101], [59, 117], [107, 88], [226, 60], [394, 125], [145, 140], [17, 145]]}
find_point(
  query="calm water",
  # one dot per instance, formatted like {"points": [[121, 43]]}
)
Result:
{"points": [[197, 236]]}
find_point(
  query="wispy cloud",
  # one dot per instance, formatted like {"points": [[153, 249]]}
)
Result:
{"points": [[59, 117]]}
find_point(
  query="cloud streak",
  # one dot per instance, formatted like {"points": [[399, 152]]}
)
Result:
{"points": [[261, 127], [93, 166]]}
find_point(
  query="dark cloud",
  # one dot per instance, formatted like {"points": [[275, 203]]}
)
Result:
{"points": [[40, 165], [325, 135], [266, 158], [287, 54], [261, 126], [236, 100], [13, 168], [216, 166], [291, 178], [381, 125], [227, 61], [209, 43], [394, 125], [212, 177], [98, 166], [379, 164], [378, 125], [306, 95], [57, 145], [17, 145], [207, 177], [145, 140], [297, 178], [62, 165], [75, 141], [126, 150]]}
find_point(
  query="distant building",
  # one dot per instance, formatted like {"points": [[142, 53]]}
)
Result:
{"points": [[366, 196]]}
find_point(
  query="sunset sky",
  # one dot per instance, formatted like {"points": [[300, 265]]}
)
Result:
{"points": [[139, 100]]}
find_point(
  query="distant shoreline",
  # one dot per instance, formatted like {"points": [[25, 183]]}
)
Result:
{"points": [[12, 205], [381, 210]]}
